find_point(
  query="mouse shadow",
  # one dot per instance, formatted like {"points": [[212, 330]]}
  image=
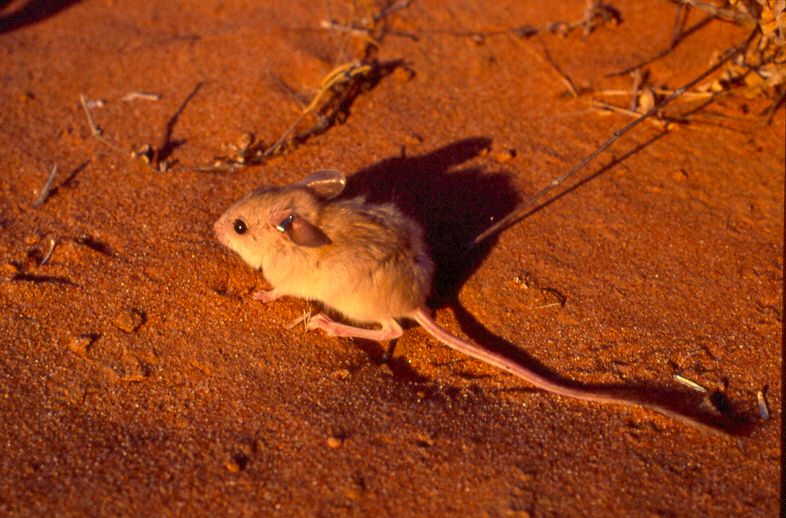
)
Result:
{"points": [[452, 199], [712, 409], [454, 202]]}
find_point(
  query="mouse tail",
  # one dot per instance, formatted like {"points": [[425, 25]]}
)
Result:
{"points": [[422, 316]]}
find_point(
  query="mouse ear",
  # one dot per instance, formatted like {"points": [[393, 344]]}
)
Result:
{"points": [[298, 230], [327, 183]]}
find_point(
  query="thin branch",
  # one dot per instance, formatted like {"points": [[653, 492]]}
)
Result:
{"points": [[514, 215], [774, 108], [675, 40], [563, 76]]}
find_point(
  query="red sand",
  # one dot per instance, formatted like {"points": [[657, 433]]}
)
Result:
{"points": [[138, 378]]}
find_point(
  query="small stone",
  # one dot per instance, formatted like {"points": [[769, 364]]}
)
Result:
{"points": [[680, 175], [646, 100], [424, 440], [9, 269], [236, 462], [505, 156], [413, 139], [145, 153], [523, 279], [334, 442], [340, 374], [403, 74], [386, 370], [81, 344], [353, 493], [130, 320]]}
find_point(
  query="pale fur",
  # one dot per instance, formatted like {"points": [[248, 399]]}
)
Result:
{"points": [[375, 268]]}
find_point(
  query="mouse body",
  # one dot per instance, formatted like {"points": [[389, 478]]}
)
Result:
{"points": [[367, 261]]}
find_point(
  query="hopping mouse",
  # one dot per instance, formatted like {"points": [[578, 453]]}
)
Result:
{"points": [[367, 261]]}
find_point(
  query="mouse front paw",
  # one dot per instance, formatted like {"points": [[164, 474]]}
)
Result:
{"points": [[266, 295]]}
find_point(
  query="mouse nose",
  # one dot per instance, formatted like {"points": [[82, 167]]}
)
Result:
{"points": [[219, 230]]}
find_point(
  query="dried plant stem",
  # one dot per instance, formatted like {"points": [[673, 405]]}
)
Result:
{"points": [[774, 108], [516, 213], [50, 252], [731, 15], [566, 80], [94, 128], [47, 190]]}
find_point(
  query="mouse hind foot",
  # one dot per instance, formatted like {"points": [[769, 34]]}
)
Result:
{"points": [[390, 329]]}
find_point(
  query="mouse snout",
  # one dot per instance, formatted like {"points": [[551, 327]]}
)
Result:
{"points": [[219, 229]]}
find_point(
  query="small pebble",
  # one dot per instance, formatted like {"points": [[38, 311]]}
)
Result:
{"points": [[335, 442], [403, 74], [9, 269], [81, 344], [130, 320], [353, 493], [424, 440], [413, 139], [680, 175], [340, 374], [505, 156]]}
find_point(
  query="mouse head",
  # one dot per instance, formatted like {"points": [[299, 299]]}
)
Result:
{"points": [[271, 220]]}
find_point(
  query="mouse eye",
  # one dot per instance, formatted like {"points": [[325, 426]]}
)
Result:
{"points": [[240, 226]]}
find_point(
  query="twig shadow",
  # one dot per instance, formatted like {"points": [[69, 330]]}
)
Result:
{"points": [[603, 169], [168, 146], [44, 279]]}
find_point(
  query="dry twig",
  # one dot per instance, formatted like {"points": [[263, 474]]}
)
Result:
{"points": [[337, 91], [47, 189], [133, 96], [514, 215]]}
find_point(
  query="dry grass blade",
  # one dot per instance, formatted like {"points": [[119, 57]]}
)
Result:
{"points": [[305, 317], [133, 96], [50, 252], [690, 383]]}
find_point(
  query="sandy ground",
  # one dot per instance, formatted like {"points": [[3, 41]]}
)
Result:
{"points": [[137, 377]]}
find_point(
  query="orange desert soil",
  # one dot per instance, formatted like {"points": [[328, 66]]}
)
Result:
{"points": [[137, 376]]}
